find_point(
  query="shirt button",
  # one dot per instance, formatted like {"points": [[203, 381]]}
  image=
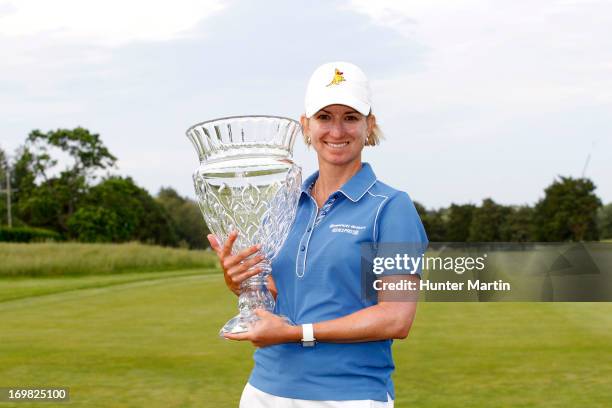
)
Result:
{"points": [[303, 248]]}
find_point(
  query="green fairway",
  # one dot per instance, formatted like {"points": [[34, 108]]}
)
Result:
{"points": [[78, 259], [18, 288], [153, 343]]}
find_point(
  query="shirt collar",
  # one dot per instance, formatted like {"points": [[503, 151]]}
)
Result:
{"points": [[353, 189]]}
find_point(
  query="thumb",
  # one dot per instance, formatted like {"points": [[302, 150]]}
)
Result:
{"points": [[214, 242]]}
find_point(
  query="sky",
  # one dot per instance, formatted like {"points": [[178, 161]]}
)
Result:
{"points": [[477, 99]]}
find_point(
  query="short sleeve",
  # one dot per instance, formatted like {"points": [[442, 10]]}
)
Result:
{"points": [[401, 236]]}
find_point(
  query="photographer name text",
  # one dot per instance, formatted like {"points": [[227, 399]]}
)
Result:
{"points": [[426, 285]]}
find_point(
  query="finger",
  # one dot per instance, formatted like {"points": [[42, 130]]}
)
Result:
{"points": [[252, 261], [229, 243], [231, 264], [245, 253], [239, 278], [235, 267], [237, 274], [237, 336], [214, 242]]}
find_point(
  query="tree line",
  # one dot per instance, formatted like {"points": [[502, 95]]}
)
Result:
{"points": [[84, 201], [569, 211]]}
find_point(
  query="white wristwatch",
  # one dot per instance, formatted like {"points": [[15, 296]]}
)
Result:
{"points": [[308, 339]]}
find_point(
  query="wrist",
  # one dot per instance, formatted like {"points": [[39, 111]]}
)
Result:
{"points": [[293, 334]]}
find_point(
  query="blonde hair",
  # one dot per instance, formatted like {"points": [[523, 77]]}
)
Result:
{"points": [[373, 139]]}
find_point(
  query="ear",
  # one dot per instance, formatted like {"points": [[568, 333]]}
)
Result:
{"points": [[371, 119], [304, 123], [305, 129]]}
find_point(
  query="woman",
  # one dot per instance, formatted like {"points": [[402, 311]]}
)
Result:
{"points": [[338, 353]]}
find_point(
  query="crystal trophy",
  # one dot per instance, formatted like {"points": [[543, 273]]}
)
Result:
{"points": [[248, 182]]}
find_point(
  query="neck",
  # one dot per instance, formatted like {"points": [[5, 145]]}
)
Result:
{"points": [[331, 177]]}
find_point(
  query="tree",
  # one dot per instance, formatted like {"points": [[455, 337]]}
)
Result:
{"points": [[458, 222], [186, 217], [48, 200], [3, 164], [117, 210], [22, 173], [604, 221], [3, 160], [50, 204], [433, 222], [487, 221], [86, 150], [519, 225], [568, 211], [95, 224]]}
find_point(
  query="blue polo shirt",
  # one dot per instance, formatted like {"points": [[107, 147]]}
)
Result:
{"points": [[318, 276]]}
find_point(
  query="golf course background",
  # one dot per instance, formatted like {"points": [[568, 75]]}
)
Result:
{"points": [[147, 337]]}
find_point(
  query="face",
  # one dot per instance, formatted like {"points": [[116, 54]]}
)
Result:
{"points": [[338, 134]]}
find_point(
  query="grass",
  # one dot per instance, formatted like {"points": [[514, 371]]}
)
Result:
{"points": [[150, 343], [507, 355], [136, 326], [153, 343], [72, 259], [19, 288]]}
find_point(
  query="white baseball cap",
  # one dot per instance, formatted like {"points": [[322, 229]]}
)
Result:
{"points": [[340, 83]]}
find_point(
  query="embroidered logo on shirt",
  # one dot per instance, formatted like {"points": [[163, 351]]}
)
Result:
{"points": [[347, 228], [338, 77]]}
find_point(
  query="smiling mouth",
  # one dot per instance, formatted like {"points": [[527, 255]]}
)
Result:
{"points": [[336, 145]]}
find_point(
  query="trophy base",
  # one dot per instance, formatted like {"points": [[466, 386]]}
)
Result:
{"points": [[240, 324], [254, 294], [237, 324]]}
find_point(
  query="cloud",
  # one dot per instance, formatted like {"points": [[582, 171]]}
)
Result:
{"points": [[505, 57], [520, 89], [476, 98], [106, 22], [248, 58]]}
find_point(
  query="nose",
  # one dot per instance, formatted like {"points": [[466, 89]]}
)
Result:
{"points": [[335, 129]]}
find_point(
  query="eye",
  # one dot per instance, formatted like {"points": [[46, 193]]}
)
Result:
{"points": [[351, 118], [323, 116]]}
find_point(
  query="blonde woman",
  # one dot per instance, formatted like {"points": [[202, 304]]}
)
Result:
{"points": [[338, 353]]}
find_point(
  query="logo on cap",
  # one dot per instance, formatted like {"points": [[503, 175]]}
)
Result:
{"points": [[338, 77]]}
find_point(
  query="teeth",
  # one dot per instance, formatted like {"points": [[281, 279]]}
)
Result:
{"points": [[337, 145]]}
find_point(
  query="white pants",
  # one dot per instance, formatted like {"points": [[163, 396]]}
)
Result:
{"points": [[254, 398]]}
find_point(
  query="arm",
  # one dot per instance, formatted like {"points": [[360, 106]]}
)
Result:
{"points": [[399, 222], [385, 320]]}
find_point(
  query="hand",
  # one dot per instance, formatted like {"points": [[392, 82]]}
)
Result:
{"points": [[268, 330], [236, 268]]}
